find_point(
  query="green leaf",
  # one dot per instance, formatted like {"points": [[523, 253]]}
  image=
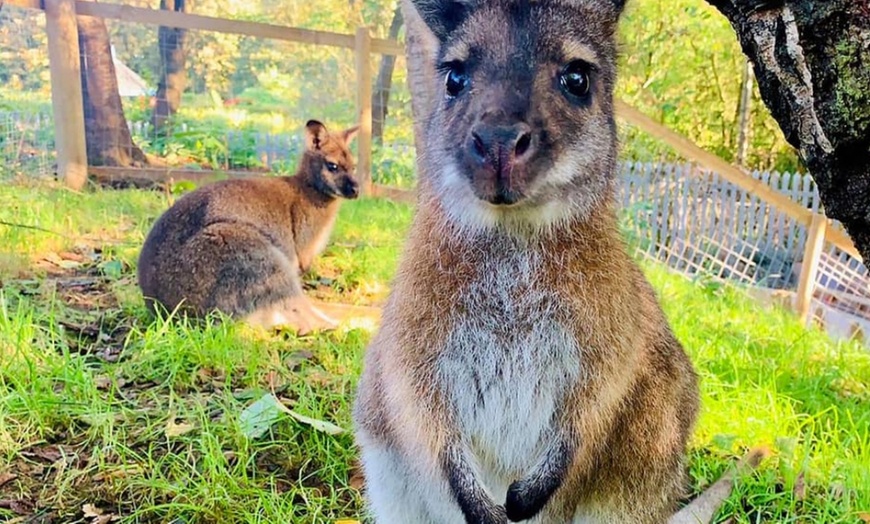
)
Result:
{"points": [[257, 418], [112, 268]]}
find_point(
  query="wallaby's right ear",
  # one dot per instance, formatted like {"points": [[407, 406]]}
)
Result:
{"points": [[315, 134], [443, 16]]}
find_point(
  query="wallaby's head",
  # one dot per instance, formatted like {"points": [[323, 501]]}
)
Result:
{"points": [[519, 122], [328, 161]]}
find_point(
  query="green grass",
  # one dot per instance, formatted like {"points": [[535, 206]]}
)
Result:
{"points": [[102, 406]]}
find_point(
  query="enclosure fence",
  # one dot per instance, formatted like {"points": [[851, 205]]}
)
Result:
{"points": [[704, 226], [705, 218], [244, 83]]}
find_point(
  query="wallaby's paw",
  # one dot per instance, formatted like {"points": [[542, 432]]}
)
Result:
{"points": [[524, 501], [305, 318], [328, 322]]}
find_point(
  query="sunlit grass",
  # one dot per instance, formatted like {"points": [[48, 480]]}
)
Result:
{"points": [[140, 417]]}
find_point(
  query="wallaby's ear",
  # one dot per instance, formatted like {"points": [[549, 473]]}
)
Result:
{"points": [[615, 6], [350, 133], [315, 134], [619, 5], [443, 16]]}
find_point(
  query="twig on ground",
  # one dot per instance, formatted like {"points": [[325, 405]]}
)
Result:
{"points": [[28, 226]]}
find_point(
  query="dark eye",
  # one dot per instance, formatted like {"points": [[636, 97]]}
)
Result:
{"points": [[457, 80], [331, 167], [574, 79]]}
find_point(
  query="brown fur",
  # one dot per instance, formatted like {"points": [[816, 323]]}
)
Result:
{"points": [[478, 281], [238, 246]]}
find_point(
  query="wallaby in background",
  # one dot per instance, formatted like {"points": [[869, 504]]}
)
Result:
{"points": [[239, 246], [523, 369]]}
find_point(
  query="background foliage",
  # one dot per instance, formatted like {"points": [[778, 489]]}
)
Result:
{"points": [[680, 64]]}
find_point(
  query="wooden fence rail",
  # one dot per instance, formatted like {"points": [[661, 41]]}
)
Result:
{"points": [[69, 119]]}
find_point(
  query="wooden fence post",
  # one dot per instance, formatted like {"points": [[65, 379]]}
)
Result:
{"points": [[810, 266], [364, 107], [66, 92]]}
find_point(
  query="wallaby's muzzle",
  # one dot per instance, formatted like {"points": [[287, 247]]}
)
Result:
{"points": [[497, 152], [349, 188]]}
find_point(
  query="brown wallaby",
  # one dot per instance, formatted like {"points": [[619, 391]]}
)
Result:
{"points": [[523, 369], [239, 246]]}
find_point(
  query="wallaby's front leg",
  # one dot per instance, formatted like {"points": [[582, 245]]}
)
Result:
{"points": [[528, 496], [475, 503]]}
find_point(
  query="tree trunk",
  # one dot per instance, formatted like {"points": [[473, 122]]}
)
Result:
{"points": [[108, 138], [173, 75], [381, 95], [812, 65]]}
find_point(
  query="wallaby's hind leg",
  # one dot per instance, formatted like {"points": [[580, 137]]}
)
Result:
{"points": [[242, 273], [297, 312]]}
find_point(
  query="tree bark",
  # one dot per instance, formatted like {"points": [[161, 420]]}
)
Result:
{"points": [[743, 114], [381, 95], [173, 75], [812, 65], [108, 138]]}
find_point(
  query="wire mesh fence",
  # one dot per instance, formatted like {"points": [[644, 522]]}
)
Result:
{"points": [[26, 125], [702, 225], [199, 99]]}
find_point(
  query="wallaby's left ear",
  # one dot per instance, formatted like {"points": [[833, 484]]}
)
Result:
{"points": [[443, 16], [350, 133], [618, 5], [315, 134]]}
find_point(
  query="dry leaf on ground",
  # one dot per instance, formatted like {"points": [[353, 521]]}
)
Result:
{"points": [[6, 478], [176, 430]]}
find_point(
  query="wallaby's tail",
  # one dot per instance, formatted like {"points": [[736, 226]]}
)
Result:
{"points": [[704, 507]]}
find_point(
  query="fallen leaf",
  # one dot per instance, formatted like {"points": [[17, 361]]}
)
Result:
{"points": [[864, 516], [176, 430], [272, 380], [60, 262], [357, 481], [48, 453], [18, 506], [103, 382], [346, 521], [119, 473], [297, 357], [257, 418], [75, 257], [97, 515], [112, 268], [6, 478], [800, 487], [320, 425]]}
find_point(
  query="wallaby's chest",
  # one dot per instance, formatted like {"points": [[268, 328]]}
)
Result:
{"points": [[313, 235], [507, 365]]}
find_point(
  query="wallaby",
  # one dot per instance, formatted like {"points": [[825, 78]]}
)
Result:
{"points": [[239, 246], [523, 369]]}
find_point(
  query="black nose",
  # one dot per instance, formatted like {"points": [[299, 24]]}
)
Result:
{"points": [[501, 147], [350, 188]]}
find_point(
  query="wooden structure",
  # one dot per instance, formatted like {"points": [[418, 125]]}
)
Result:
{"points": [[69, 118]]}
